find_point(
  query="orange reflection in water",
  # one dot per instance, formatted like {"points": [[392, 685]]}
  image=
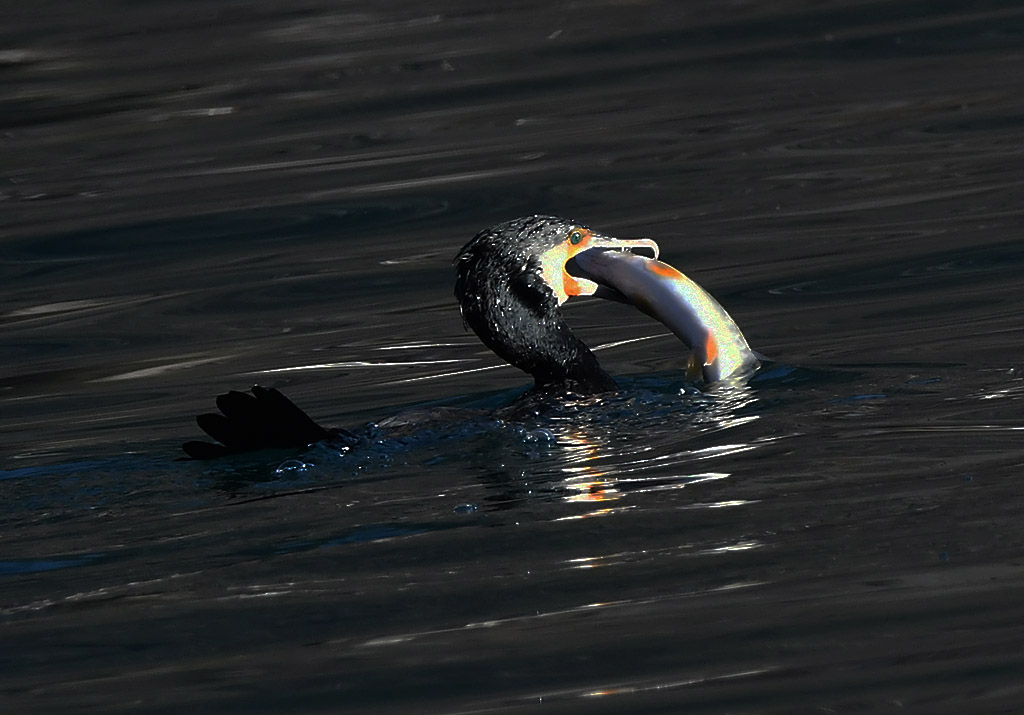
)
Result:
{"points": [[601, 466], [587, 483]]}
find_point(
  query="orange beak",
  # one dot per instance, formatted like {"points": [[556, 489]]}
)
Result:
{"points": [[566, 285]]}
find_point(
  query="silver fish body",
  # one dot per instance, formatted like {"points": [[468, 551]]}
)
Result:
{"points": [[718, 348]]}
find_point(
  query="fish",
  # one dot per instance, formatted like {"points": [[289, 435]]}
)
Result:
{"points": [[718, 349]]}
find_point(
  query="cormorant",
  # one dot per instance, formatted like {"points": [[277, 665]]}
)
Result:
{"points": [[510, 281]]}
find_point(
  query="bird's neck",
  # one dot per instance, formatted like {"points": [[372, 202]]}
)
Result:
{"points": [[536, 339], [575, 370], [516, 314]]}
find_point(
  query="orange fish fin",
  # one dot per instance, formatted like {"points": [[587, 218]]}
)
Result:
{"points": [[710, 350]]}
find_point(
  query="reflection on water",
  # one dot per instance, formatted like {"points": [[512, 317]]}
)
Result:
{"points": [[586, 450], [606, 461]]}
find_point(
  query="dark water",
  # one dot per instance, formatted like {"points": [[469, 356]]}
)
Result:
{"points": [[199, 196]]}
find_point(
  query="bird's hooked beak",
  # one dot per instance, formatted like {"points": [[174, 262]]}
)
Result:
{"points": [[564, 276]]}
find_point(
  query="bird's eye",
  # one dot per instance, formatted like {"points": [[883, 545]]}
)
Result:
{"points": [[575, 237]]}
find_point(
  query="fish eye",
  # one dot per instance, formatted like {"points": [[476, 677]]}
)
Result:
{"points": [[575, 238]]}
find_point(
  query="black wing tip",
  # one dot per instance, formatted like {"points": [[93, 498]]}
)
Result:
{"points": [[247, 422]]}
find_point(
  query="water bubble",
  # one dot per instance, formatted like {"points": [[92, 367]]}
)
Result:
{"points": [[291, 466], [539, 435]]}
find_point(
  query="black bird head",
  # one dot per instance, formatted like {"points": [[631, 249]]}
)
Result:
{"points": [[510, 281]]}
